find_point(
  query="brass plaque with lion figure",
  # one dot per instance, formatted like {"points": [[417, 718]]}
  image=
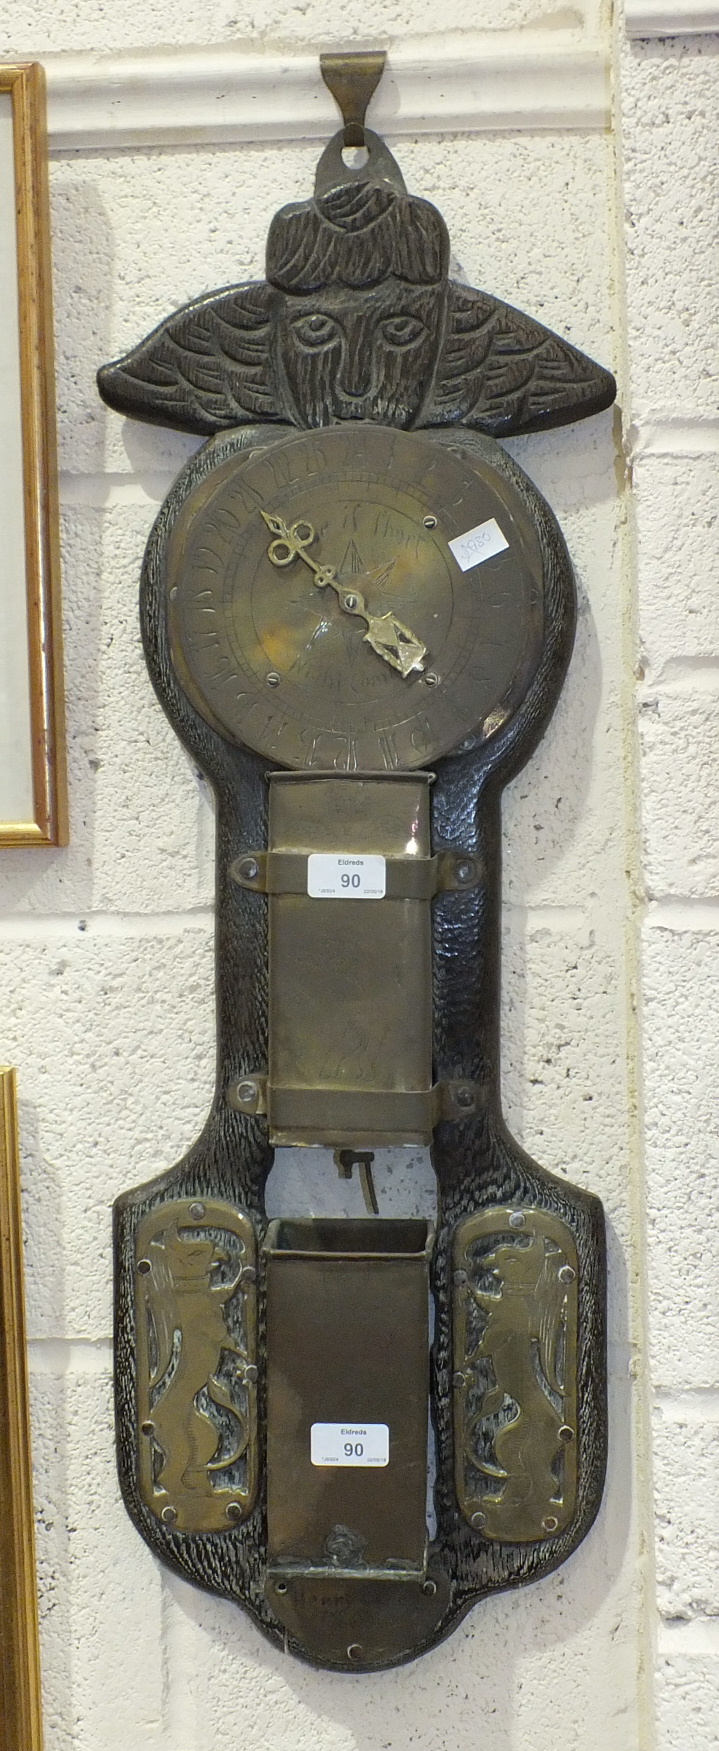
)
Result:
{"points": [[515, 1382], [197, 1374]]}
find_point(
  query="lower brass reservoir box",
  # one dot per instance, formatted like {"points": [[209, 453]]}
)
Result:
{"points": [[348, 1368]]}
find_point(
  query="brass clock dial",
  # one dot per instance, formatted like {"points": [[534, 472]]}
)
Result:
{"points": [[318, 615]]}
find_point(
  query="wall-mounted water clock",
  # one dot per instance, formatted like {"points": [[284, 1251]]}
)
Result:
{"points": [[357, 613]]}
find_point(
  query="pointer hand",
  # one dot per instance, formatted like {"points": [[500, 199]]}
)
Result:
{"points": [[386, 635]]}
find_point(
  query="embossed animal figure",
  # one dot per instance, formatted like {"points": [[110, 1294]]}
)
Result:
{"points": [[187, 1309], [521, 1340]]}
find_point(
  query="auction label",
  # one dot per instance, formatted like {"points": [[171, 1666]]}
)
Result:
{"points": [[342, 876], [478, 544], [349, 1444]]}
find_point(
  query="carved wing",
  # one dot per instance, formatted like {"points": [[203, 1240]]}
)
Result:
{"points": [[204, 369], [501, 372]]}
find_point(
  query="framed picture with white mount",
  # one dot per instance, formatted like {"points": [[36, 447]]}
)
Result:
{"points": [[33, 791]]}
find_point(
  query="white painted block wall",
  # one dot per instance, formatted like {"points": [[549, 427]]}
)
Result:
{"points": [[609, 1037], [670, 166]]}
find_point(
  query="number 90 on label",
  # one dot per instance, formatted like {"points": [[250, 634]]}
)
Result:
{"points": [[349, 1444], [344, 876]]}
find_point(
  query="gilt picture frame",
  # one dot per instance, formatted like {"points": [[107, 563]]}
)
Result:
{"points": [[20, 1698], [33, 789]]}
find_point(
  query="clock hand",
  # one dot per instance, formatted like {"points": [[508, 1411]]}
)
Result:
{"points": [[386, 635], [292, 544]]}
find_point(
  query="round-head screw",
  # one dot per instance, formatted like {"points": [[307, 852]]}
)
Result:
{"points": [[169, 1515], [479, 1519], [516, 1219], [465, 1098], [147, 1428], [197, 1212], [566, 1274], [430, 522], [248, 868], [144, 1266], [566, 1433], [429, 1587], [234, 1510], [354, 1651], [463, 870], [459, 1277], [431, 678], [250, 1373], [245, 1093], [273, 679], [550, 1523]]}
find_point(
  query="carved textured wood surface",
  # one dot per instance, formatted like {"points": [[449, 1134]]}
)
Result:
{"points": [[478, 1163], [357, 319]]}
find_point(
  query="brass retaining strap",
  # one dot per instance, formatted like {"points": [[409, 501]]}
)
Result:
{"points": [[373, 1109], [407, 878]]}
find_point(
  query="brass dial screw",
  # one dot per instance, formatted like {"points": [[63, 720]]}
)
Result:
{"points": [[197, 1212]]}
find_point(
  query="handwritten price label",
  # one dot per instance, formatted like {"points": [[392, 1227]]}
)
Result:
{"points": [[478, 544]]}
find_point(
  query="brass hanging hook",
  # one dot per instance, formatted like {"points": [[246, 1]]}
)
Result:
{"points": [[353, 79]]}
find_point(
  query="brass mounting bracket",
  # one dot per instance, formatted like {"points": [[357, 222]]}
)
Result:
{"points": [[353, 79], [358, 1109], [408, 878]]}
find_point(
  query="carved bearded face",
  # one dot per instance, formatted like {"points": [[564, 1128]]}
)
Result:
{"points": [[359, 287], [370, 357]]}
